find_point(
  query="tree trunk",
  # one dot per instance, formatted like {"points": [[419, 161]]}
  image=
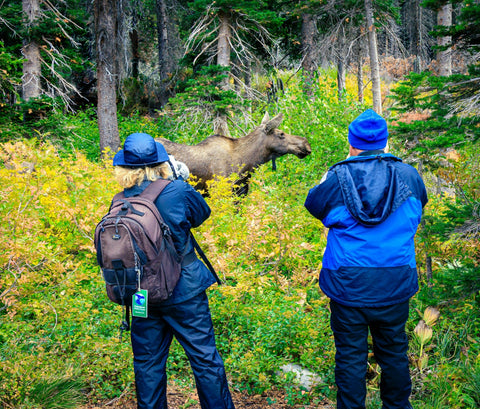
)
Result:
{"points": [[121, 53], [418, 37], [31, 51], [372, 48], [341, 70], [428, 258], [134, 42], [162, 36], [341, 76], [223, 58], [444, 58], [105, 30], [360, 70], [223, 43], [429, 270], [309, 51], [247, 80]]}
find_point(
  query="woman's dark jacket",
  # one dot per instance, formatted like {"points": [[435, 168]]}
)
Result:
{"points": [[372, 205], [182, 208]]}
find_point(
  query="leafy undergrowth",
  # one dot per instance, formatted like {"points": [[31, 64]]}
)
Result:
{"points": [[59, 336], [58, 325], [60, 333]]}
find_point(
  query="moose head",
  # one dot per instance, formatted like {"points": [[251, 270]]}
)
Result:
{"points": [[221, 155]]}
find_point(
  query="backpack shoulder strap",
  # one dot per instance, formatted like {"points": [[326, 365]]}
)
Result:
{"points": [[153, 190], [118, 196], [205, 259]]}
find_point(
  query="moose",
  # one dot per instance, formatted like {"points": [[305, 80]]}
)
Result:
{"points": [[220, 155]]}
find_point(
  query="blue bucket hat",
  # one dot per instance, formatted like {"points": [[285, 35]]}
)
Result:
{"points": [[140, 150], [368, 131]]}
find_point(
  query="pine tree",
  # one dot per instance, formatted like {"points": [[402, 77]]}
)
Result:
{"points": [[225, 38], [229, 33], [105, 24], [31, 50], [447, 106], [50, 37]]}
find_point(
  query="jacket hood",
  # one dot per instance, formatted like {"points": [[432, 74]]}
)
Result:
{"points": [[371, 187]]}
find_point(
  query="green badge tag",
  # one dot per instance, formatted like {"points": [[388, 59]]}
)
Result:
{"points": [[140, 303]]}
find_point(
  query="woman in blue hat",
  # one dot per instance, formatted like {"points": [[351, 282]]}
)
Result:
{"points": [[186, 314]]}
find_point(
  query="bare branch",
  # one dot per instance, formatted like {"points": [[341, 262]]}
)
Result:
{"points": [[13, 285], [55, 11], [57, 59], [207, 26], [205, 49]]}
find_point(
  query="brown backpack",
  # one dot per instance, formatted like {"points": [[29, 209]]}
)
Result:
{"points": [[135, 248]]}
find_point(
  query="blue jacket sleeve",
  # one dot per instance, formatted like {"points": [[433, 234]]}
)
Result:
{"points": [[322, 198], [414, 181], [182, 208], [197, 208]]}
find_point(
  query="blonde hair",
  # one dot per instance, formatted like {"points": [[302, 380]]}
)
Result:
{"points": [[129, 177]]}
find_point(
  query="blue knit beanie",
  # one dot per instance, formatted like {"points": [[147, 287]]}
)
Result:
{"points": [[368, 131]]}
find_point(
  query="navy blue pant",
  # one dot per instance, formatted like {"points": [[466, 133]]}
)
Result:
{"points": [[191, 324], [390, 344]]}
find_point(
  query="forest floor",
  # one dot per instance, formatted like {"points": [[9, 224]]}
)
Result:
{"points": [[186, 398]]}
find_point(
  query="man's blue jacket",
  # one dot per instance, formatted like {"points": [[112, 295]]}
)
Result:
{"points": [[372, 205]]}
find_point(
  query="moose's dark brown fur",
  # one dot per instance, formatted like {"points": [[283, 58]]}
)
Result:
{"points": [[221, 156]]}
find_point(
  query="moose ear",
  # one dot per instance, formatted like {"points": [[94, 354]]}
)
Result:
{"points": [[274, 123], [265, 119]]}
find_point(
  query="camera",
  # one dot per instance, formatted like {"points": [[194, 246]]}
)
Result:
{"points": [[179, 169]]}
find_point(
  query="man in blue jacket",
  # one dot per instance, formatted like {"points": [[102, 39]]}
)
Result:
{"points": [[372, 204]]}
